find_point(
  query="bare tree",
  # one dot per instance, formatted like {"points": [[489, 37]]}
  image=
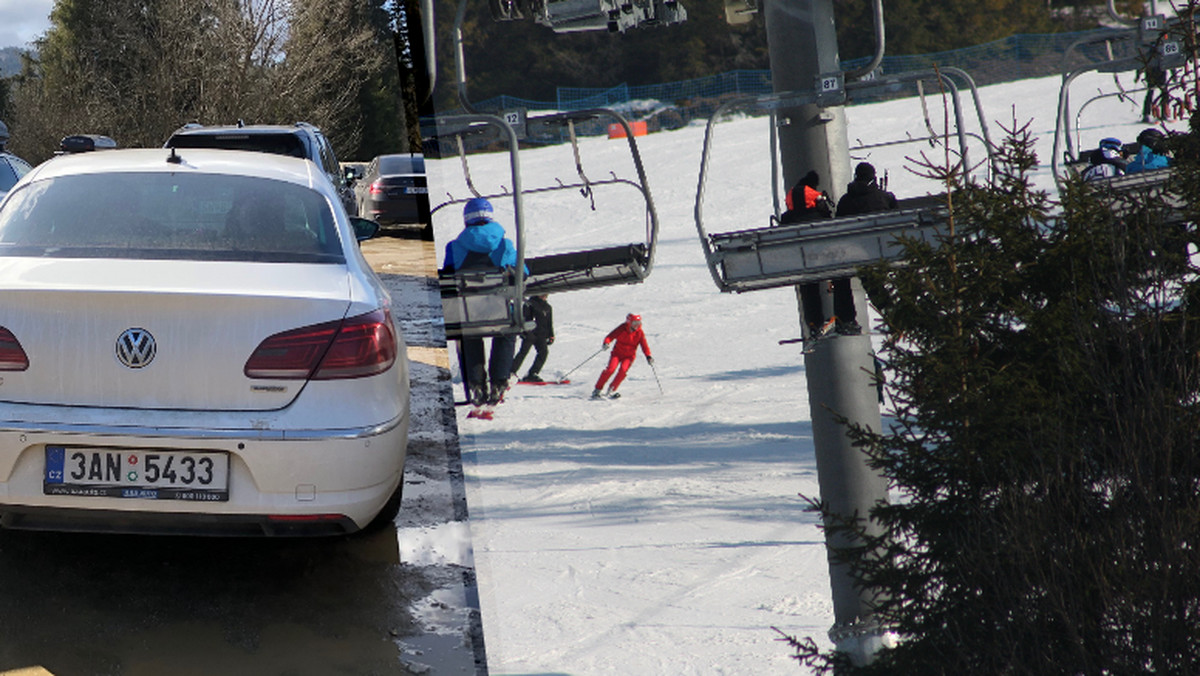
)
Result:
{"points": [[330, 53], [138, 70]]}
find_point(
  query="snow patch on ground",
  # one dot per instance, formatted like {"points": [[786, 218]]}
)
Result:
{"points": [[437, 545]]}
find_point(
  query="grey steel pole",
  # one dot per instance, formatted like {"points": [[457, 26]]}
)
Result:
{"points": [[840, 373], [802, 44]]}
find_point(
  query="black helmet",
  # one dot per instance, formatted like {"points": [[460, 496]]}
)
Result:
{"points": [[1151, 137]]}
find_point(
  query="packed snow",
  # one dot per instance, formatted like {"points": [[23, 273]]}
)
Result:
{"points": [[664, 532]]}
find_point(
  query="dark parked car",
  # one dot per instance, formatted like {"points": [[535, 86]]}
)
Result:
{"points": [[298, 140], [393, 192], [12, 168]]}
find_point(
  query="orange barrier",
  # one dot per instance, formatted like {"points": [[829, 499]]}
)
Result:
{"points": [[615, 130]]}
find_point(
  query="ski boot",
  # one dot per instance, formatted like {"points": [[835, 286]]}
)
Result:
{"points": [[497, 394], [479, 395]]}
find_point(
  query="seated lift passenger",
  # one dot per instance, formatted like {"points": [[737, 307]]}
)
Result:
{"points": [[1107, 161], [1151, 154]]}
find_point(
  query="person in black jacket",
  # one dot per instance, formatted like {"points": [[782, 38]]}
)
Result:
{"points": [[863, 194], [540, 338]]}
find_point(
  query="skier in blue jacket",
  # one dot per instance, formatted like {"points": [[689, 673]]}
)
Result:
{"points": [[1149, 156], [481, 241], [482, 245]]}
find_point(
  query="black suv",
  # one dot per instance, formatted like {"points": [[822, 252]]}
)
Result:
{"points": [[298, 140]]}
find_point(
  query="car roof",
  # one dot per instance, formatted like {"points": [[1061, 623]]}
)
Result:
{"points": [[202, 160], [206, 130], [402, 164]]}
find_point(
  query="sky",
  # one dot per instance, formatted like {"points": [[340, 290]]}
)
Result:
{"points": [[21, 21], [664, 532]]}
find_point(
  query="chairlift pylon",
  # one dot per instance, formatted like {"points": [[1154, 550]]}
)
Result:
{"points": [[786, 255]]}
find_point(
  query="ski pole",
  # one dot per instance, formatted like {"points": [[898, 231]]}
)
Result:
{"points": [[655, 372], [584, 362]]}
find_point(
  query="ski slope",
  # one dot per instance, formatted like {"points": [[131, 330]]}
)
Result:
{"points": [[664, 533]]}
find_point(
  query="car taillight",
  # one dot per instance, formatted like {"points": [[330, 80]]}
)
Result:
{"points": [[377, 188], [366, 345], [352, 348], [12, 355]]}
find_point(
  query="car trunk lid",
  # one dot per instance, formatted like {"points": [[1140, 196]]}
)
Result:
{"points": [[158, 334]]}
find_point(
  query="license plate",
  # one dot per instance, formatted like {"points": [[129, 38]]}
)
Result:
{"points": [[126, 473], [416, 191]]}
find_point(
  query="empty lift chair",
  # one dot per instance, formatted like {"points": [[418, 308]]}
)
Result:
{"points": [[602, 266]]}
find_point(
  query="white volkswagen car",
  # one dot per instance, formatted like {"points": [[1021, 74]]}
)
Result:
{"points": [[192, 342]]}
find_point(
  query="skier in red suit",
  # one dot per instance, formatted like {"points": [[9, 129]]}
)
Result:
{"points": [[628, 336]]}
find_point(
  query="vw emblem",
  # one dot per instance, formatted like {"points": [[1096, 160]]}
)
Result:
{"points": [[136, 348]]}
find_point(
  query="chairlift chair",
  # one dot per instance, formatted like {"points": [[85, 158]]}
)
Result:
{"points": [[786, 255], [491, 304], [591, 268], [1066, 158], [478, 304], [572, 16], [483, 303]]}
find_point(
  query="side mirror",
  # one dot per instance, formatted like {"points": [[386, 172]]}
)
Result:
{"points": [[364, 229], [353, 174]]}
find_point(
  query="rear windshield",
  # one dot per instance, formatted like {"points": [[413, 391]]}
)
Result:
{"points": [[277, 144], [401, 164], [170, 216]]}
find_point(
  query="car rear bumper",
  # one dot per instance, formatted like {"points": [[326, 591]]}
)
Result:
{"points": [[397, 211], [22, 517], [281, 482]]}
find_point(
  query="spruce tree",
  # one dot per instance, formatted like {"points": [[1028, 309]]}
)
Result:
{"points": [[1044, 373]]}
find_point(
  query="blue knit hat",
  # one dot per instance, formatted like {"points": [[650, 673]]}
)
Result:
{"points": [[477, 211]]}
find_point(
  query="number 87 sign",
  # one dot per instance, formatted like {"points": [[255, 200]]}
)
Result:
{"points": [[831, 89]]}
